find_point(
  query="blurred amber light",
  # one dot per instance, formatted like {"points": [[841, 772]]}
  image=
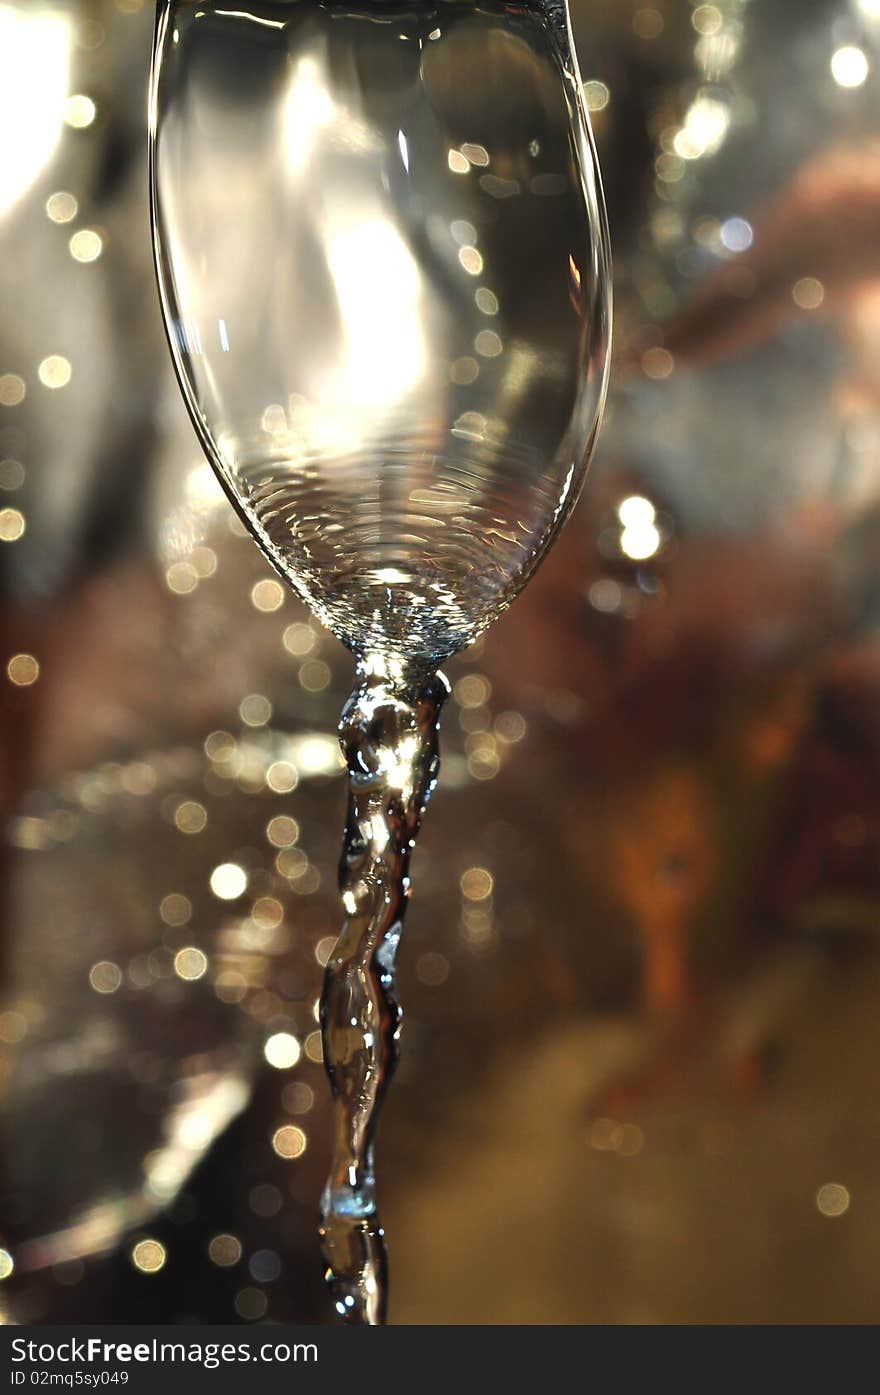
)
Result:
{"points": [[225, 1250], [289, 1141], [23, 670], [148, 1256]]}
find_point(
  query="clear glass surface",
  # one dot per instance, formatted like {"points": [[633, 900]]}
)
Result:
{"points": [[384, 270], [384, 265]]}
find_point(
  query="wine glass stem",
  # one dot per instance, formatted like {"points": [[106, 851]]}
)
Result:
{"points": [[388, 733]]}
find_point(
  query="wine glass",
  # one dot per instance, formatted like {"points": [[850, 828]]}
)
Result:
{"points": [[383, 263]]}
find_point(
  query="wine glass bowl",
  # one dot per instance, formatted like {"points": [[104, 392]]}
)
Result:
{"points": [[383, 263]]}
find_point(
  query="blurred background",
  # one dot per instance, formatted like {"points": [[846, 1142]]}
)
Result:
{"points": [[642, 967]]}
